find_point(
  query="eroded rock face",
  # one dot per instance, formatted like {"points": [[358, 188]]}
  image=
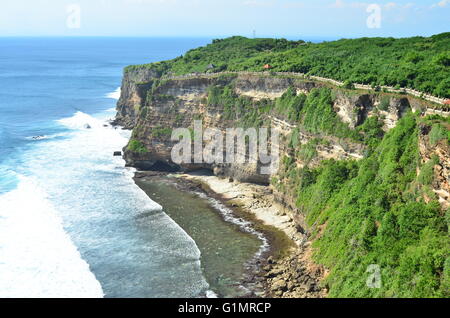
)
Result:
{"points": [[398, 107], [441, 152], [354, 108], [260, 87], [132, 96], [154, 110]]}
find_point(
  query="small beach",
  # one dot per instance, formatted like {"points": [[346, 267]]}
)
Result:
{"points": [[235, 266]]}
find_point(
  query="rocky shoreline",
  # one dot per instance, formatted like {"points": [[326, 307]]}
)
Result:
{"points": [[286, 269]]}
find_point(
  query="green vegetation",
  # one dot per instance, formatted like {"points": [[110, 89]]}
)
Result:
{"points": [[308, 151], [317, 116], [348, 84], [314, 113], [426, 175], [373, 212], [372, 131], [158, 132], [384, 103], [421, 63], [243, 110], [438, 133], [358, 213], [137, 146], [222, 53], [290, 104], [225, 98]]}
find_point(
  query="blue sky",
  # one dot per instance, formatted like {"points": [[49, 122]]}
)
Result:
{"points": [[219, 18]]}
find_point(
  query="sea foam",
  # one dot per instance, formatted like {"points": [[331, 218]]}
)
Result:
{"points": [[81, 207], [37, 257], [81, 120], [114, 95]]}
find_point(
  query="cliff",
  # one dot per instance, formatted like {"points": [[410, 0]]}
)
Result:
{"points": [[131, 95], [334, 143], [151, 105]]}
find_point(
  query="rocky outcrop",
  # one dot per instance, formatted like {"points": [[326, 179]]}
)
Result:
{"points": [[269, 87], [440, 153], [354, 109], [294, 276], [135, 84], [152, 106]]}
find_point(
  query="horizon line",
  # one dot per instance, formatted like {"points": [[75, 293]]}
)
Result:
{"points": [[289, 37]]}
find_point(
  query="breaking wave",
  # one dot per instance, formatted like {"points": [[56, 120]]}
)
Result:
{"points": [[114, 95], [38, 258]]}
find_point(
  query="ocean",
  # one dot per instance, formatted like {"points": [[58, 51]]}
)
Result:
{"points": [[72, 221]]}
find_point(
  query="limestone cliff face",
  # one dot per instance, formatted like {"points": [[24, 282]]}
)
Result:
{"points": [[354, 109], [153, 106], [260, 87], [132, 93]]}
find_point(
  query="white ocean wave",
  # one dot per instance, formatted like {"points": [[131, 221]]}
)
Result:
{"points": [[88, 186], [211, 294], [45, 137], [37, 257], [114, 95], [81, 120]]}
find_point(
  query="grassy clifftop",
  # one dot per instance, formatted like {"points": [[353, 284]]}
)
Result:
{"points": [[418, 62]]}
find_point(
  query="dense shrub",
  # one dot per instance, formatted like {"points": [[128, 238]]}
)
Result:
{"points": [[318, 116], [137, 146], [418, 62], [362, 213], [437, 133]]}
